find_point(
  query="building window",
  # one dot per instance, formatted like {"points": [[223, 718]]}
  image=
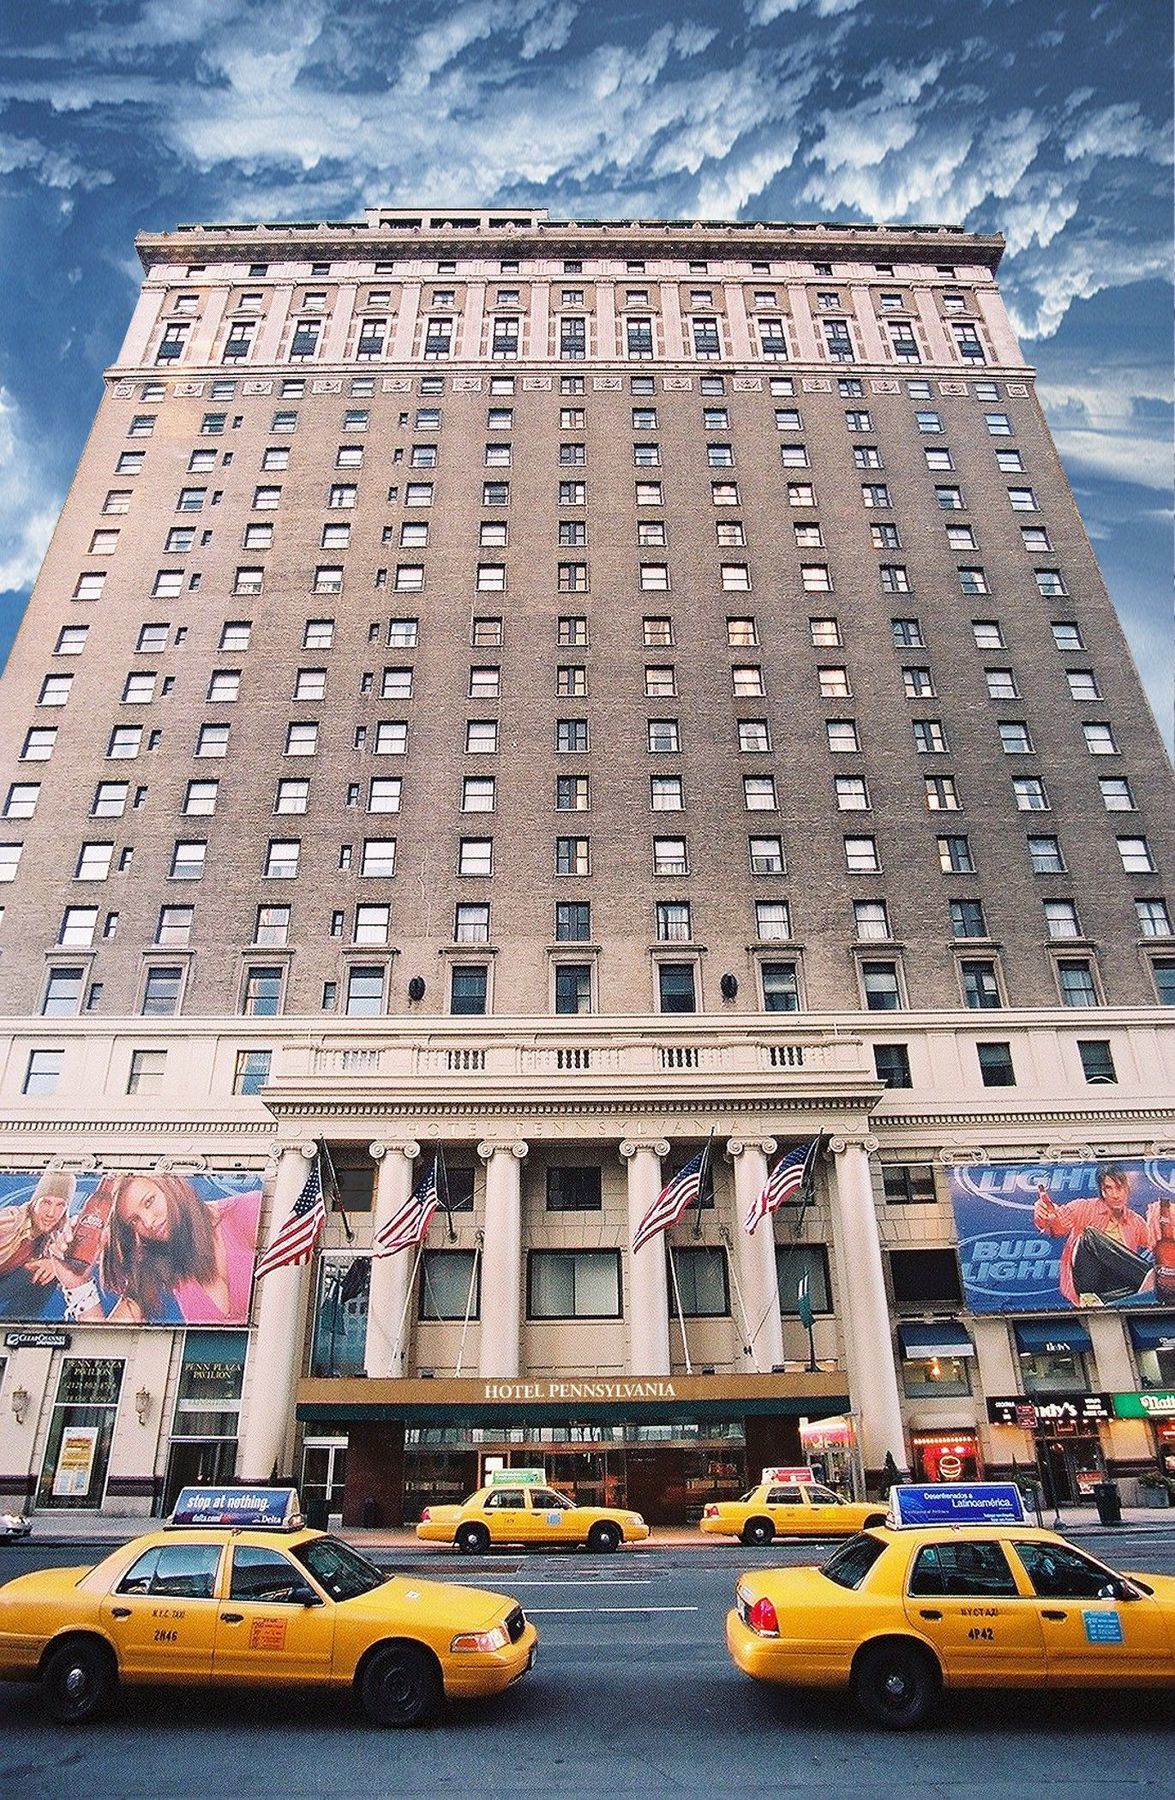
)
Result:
{"points": [[251, 1072], [802, 1269], [468, 988], [941, 793], [954, 856], [573, 1284], [272, 927], [63, 992], [1136, 855], [571, 735], [94, 862], [967, 920], [281, 861], [1097, 1061], [1075, 979], [573, 987], [1154, 918], [861, 855], [925, 1277], [702, 1288], [929, 736], [1046, 856], [673, 922], [892, 1064], [871, 920], [1030, 794], [675, 988], [909, 1184], [881, 986], [981, 988], [1099, 739], [262, 995], [450, 1284], [906, 634], [572, 921], [1061, 919], [574, 1189], [995, 1065], [161, 992], [766, 855], [43, 1071], [842, 735], [365, 992], [1163, 971], [781, 987]]}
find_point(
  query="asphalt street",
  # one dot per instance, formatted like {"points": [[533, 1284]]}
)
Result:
{"points": [[633, 1693]]}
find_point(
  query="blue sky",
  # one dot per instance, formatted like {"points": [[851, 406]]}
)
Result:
{"points": [[1051, 125]]}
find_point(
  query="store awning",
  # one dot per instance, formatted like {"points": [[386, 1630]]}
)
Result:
{"points": [[1035, 1335], [943, 1337], [1153, 1332]]}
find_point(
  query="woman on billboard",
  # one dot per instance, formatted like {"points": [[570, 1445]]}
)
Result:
{"points": [[148, 1250]]}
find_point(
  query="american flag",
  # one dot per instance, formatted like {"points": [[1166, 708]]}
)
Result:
{"points": [[786, 1180], [409, 1225], [295, 1241], [674, 1199]]}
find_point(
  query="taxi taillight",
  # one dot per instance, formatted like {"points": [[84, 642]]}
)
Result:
{"points": [[425, 1515], [763, 1618], [711, 1512]]}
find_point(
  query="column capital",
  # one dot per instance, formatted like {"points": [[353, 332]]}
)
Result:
{"points": [[736, 1146], [658, 1146], [510, 1147], [407, 1147], [868, 1143]]}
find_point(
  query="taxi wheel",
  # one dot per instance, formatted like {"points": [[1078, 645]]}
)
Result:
{"points": [[895, 1684], [605, 1536], [78, 1682], [401, 1686], [757, 1531], [472, 1540]]}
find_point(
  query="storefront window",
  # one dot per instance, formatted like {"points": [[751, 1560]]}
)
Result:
{"points": [[1154, 1350], [77, 1452], [340, 1319], [207, 1411], [946, 1456], [1053, 1372], [928, 1376]]}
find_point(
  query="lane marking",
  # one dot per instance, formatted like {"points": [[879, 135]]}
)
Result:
{"points": [[603, 1581], [535, 1612]]}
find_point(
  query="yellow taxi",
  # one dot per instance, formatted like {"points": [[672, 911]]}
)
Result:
{"points": [[254, 1604], [788, 1503], [901, 1612], [518, 1507]]}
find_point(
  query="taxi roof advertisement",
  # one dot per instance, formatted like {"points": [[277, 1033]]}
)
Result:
{"points": [[1041, 1237]]}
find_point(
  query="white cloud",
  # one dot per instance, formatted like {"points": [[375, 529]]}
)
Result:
{"points": [[27, 513], [1040, 291], [550, 32], [1119, 131], [765, 12], [724, 191], [54, 168]]}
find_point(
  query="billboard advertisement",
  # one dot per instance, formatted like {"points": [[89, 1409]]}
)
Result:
{"points": [[127, 1247], [1040, 1237]]}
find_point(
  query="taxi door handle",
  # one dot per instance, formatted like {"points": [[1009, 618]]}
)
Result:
{"points": [[231, 1618], [926, 1614], [120, 1612], [1046, 1614]]}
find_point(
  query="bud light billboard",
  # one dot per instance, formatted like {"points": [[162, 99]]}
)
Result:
{"points": [[1040, 1237]]}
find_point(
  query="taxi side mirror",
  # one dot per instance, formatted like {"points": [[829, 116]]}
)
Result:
{"points": [[306, 1596], [1119, 1589]]}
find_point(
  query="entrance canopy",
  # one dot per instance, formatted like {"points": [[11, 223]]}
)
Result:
{"points": [[652, 1400]]}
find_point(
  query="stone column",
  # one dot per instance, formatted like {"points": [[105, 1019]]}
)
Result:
{"points": [[648, 1283], [280, 1312], [386, 1345], [754, 1259], [873, 1381], [501, 1262]]}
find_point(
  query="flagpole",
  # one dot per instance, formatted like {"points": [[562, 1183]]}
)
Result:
{"points": [[705, 1181], [396, 1350], [689, 1367], [335, 1188], [478, 1241], [748, 1336]]}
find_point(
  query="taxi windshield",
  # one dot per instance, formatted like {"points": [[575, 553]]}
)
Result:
{"points": [[849, 1565], [339, 1569]]}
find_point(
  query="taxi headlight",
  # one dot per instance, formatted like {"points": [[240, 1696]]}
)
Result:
{"points": [[484, 1641]]}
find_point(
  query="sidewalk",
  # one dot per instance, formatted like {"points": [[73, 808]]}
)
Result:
{"points": [[73, 1527]]}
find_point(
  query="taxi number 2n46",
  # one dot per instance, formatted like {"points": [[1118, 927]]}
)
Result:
{"points": [[167, 1637]]}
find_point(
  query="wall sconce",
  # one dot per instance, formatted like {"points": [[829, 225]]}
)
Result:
{"points": [[143, 1404], [20, 1403]]}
